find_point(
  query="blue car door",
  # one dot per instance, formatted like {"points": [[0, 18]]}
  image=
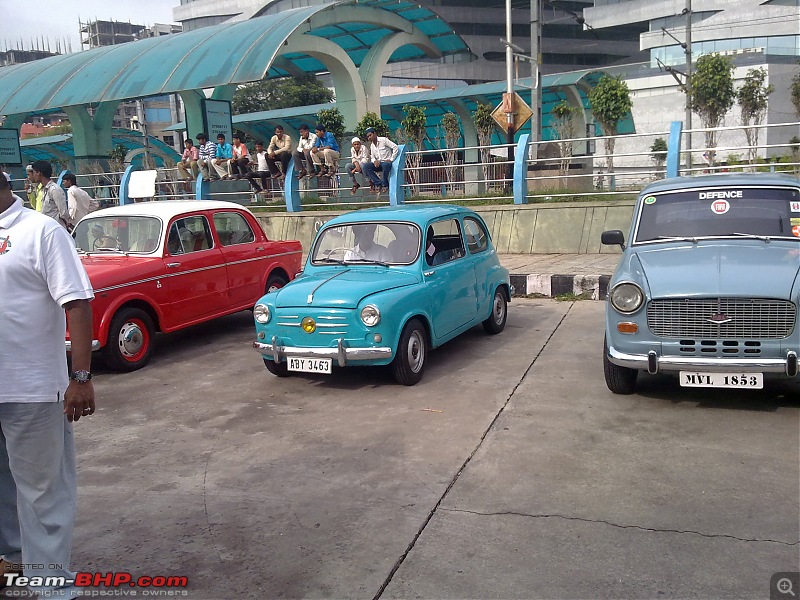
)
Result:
{"points": [[450, 278]]}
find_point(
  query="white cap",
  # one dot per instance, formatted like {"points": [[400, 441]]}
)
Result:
{"points": [[29, 168], [356, 139]]}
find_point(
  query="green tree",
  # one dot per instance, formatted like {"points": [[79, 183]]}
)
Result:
{"points": [[611, 102], [414, 131], [794, 90], [332, 120], [370, 119], [563, 125], [285, 92], [484, 123], [452, 135], [752, 99], [712, 94], [658, 154]]}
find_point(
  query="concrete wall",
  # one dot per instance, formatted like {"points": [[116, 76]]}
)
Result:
{"points": [[568, 228]]}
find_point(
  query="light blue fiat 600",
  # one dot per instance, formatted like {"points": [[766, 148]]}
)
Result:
{"points": [[708, 287], [383, 286]]}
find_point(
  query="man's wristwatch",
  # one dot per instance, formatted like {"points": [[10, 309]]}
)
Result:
{"points": [[81, 376]]}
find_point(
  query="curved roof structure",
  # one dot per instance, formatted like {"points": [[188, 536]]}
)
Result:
{"points": [[439, 102], [229, 53]]}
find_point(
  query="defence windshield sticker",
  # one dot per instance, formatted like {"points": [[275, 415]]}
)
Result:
{"points": [[720, 207], [650, 200], [721, 194], [794, 206]]}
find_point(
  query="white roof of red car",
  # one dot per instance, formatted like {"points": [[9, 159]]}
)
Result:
{"points": [[165, 209]]}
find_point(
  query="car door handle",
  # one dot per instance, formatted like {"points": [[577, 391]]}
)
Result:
{"points": [[429, 273], [173, 264], [260, 248]]}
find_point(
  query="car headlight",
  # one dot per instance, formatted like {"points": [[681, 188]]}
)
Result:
{"points": [[627, 297], [261, 313], [370, 315]]}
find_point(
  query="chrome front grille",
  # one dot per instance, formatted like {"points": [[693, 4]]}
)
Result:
{"points": [[721, 318], [327, 324]]}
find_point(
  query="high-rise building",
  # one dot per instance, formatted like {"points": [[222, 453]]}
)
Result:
{"points": [[566, 43]]}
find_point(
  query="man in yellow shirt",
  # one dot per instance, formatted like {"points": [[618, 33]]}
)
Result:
{"points": [[33, 190]]}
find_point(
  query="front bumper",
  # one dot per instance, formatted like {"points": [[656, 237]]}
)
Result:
{"points": [[95, 345], [341, 354], [653, 363]]}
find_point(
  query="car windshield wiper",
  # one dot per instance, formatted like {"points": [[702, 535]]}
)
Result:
{"points": [[753, 236], [677, 239], [367, 261], [330, 260]]}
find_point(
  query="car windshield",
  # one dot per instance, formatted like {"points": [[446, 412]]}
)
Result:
{"points": [[720, 212], [367, 243], [136, 235]]}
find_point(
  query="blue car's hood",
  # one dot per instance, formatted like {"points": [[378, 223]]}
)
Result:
{"points": [[735, 269], [341, 288]]}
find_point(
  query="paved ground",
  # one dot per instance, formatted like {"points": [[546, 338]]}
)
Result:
{"points": [[509, 472]]}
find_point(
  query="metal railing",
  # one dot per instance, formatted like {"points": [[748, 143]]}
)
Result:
{"points": [[484, 174]]}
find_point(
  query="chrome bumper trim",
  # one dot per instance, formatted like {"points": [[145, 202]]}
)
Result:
{"points": [[95, 345], [696, 363], [341, 354]]}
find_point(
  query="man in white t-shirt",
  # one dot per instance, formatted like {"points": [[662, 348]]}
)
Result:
{"points": [[79, 202], [41, 276], [366, 247]]}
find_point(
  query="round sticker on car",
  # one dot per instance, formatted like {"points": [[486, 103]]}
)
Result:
{"points": [[650, 200], [720, 207]]}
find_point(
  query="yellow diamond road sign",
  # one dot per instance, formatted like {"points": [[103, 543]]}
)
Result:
{"points": [[521, 111]]}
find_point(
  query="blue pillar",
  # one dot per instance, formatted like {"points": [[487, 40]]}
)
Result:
{"points": [[521, 169], [397, 176], [291, 189], [674, 149], [124, 185], [202, 187]]}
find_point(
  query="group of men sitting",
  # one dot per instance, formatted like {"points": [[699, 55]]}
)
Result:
{"points": [[316, 155]]}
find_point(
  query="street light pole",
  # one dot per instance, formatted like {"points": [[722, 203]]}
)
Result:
{"points": [[688, 10], [536, 91], [509, 98]]}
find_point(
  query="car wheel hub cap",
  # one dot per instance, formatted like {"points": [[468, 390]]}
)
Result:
{"points": [[498, 310], [416, 352], [131, 339]]}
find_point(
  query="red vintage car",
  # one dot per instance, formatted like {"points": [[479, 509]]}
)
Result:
{"points": [[166, 265]]}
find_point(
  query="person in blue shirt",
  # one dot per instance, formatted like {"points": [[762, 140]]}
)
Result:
{"points": [[224, 155], [325, 153]]}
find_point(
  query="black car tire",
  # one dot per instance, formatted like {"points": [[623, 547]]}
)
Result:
{"points": [[279, 369], [130, 340], [497, 318], [620, 380], [409, 361], [275, 282]]}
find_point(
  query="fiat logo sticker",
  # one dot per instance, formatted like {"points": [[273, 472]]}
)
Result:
{"points": [[720, 207]]}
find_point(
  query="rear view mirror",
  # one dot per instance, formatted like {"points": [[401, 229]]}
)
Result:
{"points": [[613, 238]]}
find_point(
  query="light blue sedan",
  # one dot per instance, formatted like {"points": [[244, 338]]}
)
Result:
{"points": [[709, 286], [383, 286]]}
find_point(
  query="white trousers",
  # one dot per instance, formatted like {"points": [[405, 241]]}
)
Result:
{"points": [[38, 490]]}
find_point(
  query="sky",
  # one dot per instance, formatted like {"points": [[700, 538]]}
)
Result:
{"points": [[27, 20]]}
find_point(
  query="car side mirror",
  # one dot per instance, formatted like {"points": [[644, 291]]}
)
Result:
{"points": [[613, 238]]}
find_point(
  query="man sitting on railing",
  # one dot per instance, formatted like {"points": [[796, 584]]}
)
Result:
{"points": [[206, 153], [224, 155], [238, 165], [383, 152], [188, 161], [262, 169], [359, 157]]}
